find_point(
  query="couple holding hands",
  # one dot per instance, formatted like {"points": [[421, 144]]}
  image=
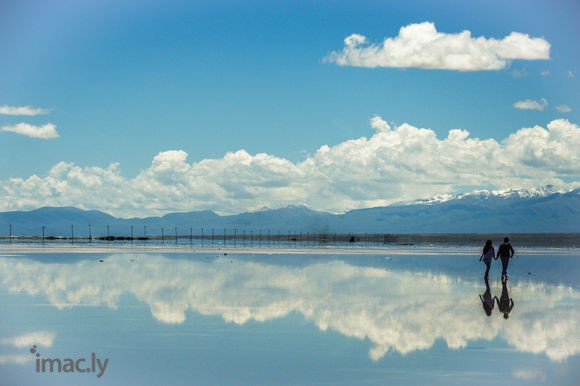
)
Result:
{"points": [[505, 253]]}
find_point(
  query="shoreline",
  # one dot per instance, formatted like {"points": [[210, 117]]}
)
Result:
{"points": [[353, 240], [16, 249]]}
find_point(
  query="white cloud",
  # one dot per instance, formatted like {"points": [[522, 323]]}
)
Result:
{"points": [[379, 123], [530, 104], [563, 108], [396, 163], [554, 148], [354, 40], [421, 45], [22, 110], [240, 291], [47, 131]]}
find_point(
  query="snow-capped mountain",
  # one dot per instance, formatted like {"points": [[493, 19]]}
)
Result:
{"points": [[540, 192]]}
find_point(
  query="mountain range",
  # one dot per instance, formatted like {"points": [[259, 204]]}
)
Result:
{"points": [[541, 210]]}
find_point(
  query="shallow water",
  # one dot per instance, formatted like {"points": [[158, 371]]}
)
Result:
{"points": [[223, 317]]}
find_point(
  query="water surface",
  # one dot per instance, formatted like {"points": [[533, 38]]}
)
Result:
{"points": [[414, 316]]}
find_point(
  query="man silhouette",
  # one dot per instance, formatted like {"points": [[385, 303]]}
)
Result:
{"points": [[505, 252], [504, 303]]}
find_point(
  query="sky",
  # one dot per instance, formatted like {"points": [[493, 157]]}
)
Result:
{"points": [[150, 107]]}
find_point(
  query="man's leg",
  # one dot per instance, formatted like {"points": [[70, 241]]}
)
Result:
{"points": [[504, 265]]}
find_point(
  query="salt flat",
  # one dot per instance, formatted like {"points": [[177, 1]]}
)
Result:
{"points": [[255, 315]]}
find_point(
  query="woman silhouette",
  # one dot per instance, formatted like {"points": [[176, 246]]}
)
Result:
{"points": [[487, 254], [486, 300]]}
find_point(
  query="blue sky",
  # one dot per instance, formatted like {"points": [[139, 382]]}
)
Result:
{"points": [[147, 107]]}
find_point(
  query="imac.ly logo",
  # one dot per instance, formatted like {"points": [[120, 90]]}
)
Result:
{"points": [[69, 365]]}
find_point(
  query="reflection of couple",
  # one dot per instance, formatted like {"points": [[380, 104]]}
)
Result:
{"points": [[504, 303], [486, 299]]}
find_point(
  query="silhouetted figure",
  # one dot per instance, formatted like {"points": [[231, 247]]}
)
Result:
{"points": [[486, 300], [505, 252], [487, 254], [504, 303]]}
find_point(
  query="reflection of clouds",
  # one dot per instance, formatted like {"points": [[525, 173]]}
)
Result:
{"points": [[548, 320], [398, 311], [39, 338], [16, 359], [530, 375]]}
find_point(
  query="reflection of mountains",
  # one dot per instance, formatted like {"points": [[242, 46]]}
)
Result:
{"points": [[401, 311]]}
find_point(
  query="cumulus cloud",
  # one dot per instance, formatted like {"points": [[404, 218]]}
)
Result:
{"points": [[530, 104], [22, 110], [396, 163], [563, 108], [421, 45], [47, 131], [242, 291], [554, 148]]}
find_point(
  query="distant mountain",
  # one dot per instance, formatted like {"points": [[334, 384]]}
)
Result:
{"points": [[534, 211], [540, 210]]}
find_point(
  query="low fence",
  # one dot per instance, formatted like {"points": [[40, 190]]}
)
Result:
{"points": [[213, 237]]}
